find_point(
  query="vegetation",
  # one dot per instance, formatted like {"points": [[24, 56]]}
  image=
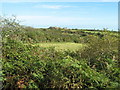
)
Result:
{"points": [[30, 58], [63, 46]]}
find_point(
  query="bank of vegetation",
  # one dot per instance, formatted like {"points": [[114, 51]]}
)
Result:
{"points": [[28, 63]]}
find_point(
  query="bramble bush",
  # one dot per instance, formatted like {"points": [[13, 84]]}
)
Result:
{"points": [[28, 66]]}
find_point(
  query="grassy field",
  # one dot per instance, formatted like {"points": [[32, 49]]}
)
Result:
{"points": [[62, 46]]}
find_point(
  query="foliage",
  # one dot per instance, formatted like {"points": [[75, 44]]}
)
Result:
{"points": [[28, 65]]}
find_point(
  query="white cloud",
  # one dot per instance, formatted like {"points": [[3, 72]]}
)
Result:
{"points": [[52, 20], [59, 0], [51, 6], [73, 22]]}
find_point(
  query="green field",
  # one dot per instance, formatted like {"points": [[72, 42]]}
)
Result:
{"points": [[62, 46]]}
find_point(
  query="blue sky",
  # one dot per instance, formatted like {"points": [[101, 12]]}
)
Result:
{"points": [[87, 15]]}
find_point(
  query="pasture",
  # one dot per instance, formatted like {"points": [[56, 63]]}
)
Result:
{"points": [[62, 46]]}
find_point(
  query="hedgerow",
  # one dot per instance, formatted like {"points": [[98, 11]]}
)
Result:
{"points": [[27, 66]]}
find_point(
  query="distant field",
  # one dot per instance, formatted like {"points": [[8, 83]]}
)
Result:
{"points": [[111, 33], [62, 46], [92, 31]]}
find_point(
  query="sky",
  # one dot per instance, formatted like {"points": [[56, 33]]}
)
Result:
{"points": [[59, 0], [82, 15]]}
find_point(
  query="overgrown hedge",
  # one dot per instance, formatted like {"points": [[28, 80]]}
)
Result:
{"points": [[27, 66]]}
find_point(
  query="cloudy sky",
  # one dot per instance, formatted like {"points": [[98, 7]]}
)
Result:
{"points": [[90, 15]]}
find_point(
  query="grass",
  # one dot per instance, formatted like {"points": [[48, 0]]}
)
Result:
{"points": [[62, 46], [93, 31]]}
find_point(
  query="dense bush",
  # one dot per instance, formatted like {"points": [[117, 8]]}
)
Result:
{"points": [[27, 66], [35, 67]]}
